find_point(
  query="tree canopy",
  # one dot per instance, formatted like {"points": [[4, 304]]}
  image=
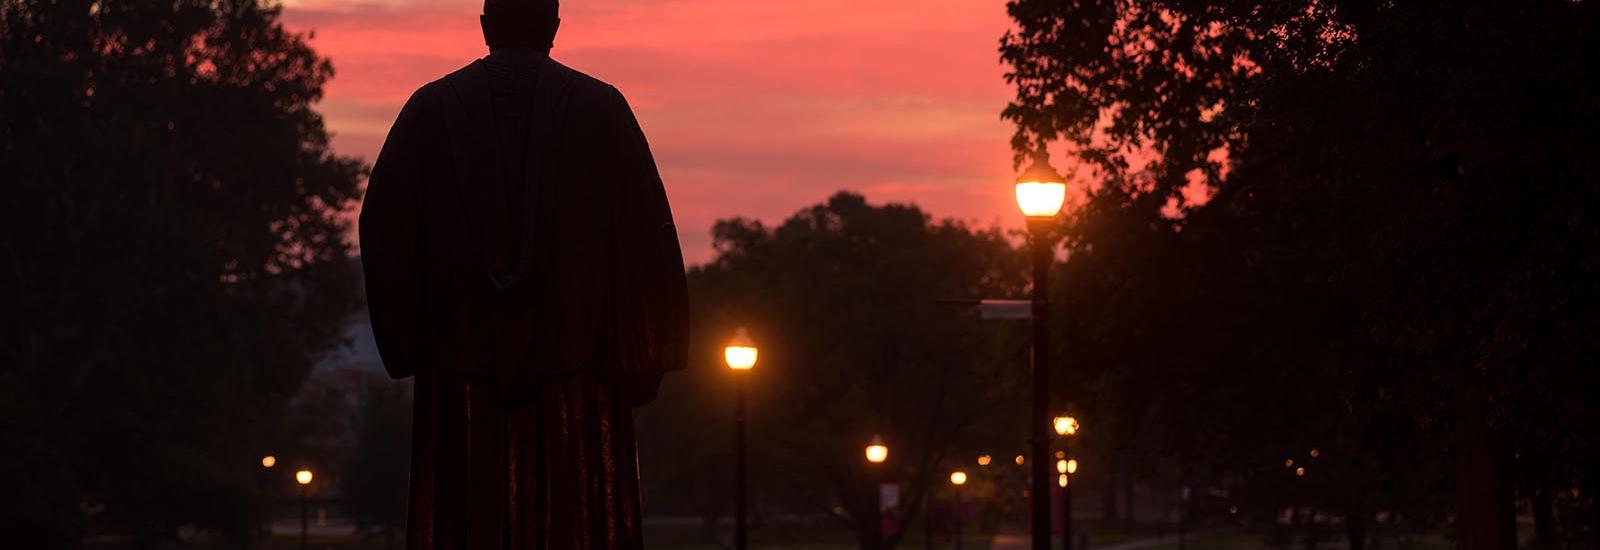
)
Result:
{"points": [[843, 300], [172, 257], [1363, 227]]}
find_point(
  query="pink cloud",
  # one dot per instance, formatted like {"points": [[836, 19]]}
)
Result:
{"points": [[753, 108]]}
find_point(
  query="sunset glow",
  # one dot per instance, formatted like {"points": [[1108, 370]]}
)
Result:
{"points": [[753, 109]]}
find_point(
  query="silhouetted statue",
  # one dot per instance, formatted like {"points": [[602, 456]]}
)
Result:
{"points": [[521, 262]]}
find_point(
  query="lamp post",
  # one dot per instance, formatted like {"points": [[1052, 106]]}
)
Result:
{"points": [[1040, 193], [1066, 427], [740, 354], [303, 477], [958, 478], [876, 453]]}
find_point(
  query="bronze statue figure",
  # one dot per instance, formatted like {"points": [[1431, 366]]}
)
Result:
{"points": [[522, 263]]}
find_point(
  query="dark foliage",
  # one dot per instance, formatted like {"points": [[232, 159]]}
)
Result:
{"points": [[172, 256], [843, 300], [1367, 228]]}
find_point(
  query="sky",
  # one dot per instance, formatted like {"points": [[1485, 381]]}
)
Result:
{"points": [[753, 108]]}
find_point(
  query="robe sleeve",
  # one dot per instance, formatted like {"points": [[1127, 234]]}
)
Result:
{"points": [[651, 315], [391, 238]]}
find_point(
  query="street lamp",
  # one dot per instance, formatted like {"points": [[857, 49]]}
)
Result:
{"points": [[740, 354], [1040, 193], [958, 478], [269, 461], [1066, 426], [876, 453], [303, 477]]}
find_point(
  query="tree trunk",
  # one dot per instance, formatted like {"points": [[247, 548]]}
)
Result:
{"points": [[1108, 495], [1131, 514], [1485, 507], [1355, 526]]}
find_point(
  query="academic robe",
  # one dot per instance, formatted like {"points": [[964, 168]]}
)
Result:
{"points": [[521, 262]]}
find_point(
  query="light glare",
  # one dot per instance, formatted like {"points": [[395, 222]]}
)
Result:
{"points": [[958, 478], [877, 452], [740, 357], [303, 477], [1066, 425], [1039, 199]]}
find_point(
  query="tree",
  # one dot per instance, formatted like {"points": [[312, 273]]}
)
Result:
{"points": [[843, 299], [172, 253], [1385, 205]]}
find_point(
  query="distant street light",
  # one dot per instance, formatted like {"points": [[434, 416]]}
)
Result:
{"points": [[303, 477], [1066, 426], [958, 478], [740, 354], [269, 461], [983, 460], [876, 453], [1040, 193]]}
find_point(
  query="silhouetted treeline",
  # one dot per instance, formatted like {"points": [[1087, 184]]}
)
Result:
{"points": [[1395, 267], [842, 299], [172, 259]]}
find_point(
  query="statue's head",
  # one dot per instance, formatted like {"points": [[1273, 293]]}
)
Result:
{"points": [[508, 23]]}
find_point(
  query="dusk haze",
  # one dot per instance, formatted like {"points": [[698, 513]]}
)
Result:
{"points": [[753, 108]]}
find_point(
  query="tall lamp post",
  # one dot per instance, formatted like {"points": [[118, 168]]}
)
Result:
{"points": [[1040, 193], [876, 453], [1066, 427], [740, 354], [303, 477], [958, 478]]}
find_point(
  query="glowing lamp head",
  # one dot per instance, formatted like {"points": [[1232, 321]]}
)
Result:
{"points": [[303, 477], [1072, 465], [1040, 189], [1066, 425], [741, 351], [877, 452], [1019, 460], [1301, 472], [269, 461], [983, 460], [1061, 466], [958, 478], [1062, 481]]}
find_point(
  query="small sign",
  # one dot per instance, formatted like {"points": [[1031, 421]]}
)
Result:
{"points": [[888, 496], [1005, 309]]}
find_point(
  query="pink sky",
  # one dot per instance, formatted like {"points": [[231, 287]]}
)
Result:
{"points": [[753, 108]]}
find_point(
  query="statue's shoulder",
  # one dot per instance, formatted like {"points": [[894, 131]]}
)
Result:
{"points": [[426, 99], [581, 85]]}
